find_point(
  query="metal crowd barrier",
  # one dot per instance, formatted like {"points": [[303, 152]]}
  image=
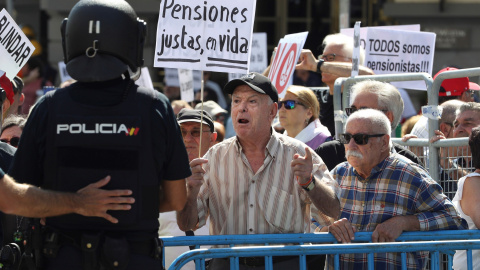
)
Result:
{"points": [[433, 87], [436, 242], [455, 149]]}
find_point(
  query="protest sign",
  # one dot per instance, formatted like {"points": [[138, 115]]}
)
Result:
{"points": [[171, 78], [258, 56], [185, 77], [285, 60], [15, 47], [213, 35], [145, 80], [391, 52], [356, 49], [363, 31]]}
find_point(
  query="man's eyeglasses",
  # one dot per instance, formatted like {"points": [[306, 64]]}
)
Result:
{"points": [[195, 133], [289, 104], [351, 110], [12, 141], [359, 138], [331, 57]]}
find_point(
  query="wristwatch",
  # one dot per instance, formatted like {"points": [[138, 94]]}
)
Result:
{"points": [[311, 185], [319, 65]]}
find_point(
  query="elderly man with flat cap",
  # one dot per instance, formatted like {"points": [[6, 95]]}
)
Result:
{"points": [[258, 181], [198, 134]]}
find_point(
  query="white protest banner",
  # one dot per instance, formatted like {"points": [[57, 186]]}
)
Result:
{"points": [[185, 77], [363, 30], [171, 78], [62, 69], [145, 80], [392, 52], [258, 56], [15, 47], [201, 35], [285, 60], [356, 49]]}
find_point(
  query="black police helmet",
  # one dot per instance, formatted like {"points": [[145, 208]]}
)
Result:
{"points": [[101, 38]]}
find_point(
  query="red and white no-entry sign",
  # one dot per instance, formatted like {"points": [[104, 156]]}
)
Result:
{"points": [[284, 62]]}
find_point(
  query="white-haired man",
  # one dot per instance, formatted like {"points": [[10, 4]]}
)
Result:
{"points": [[384, 193], [374, 95], [335, 62], [258, 181]]}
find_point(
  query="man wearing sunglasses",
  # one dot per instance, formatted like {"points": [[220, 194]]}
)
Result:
{"points": [[258, 181], [384, 193], [198, 132], [335, 62], [374, 95]]}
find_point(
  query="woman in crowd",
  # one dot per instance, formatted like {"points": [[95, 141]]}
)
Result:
{"points": [[467, 202], [12, 128], [298, 114]]}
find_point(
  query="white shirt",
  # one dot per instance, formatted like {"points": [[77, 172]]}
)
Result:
{"points": [[460, 257], [239, 201]]}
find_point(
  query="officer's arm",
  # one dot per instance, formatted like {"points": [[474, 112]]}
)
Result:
{"points": [[173, 195], [31, 201]]}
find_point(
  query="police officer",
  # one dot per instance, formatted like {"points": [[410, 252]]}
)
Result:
{"points": [[101, 125]]}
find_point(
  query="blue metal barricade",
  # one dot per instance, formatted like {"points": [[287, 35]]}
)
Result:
{"points": [[434, 241]]}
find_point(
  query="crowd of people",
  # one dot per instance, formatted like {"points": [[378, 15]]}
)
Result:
{"points": [[101, 157]]}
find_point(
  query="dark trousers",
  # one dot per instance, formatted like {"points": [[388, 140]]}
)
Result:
{"points": [[70, 258]]}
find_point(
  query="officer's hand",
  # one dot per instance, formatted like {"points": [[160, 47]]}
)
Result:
{"points": [[196, 180], [342, 230], [302, 166], [95, 202]]}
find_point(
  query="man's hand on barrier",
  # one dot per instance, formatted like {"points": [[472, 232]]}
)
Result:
{"points": [[95, 202], [391, 229], [343, 230], [407, 137], [442, 151], [438, 136]]}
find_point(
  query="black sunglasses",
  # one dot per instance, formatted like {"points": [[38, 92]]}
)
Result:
{"points": [[289, 104], [12, 141], [359, 138], [350, 110]]}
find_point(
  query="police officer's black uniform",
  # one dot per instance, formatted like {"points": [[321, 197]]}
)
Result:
{"points": [[102, 125]]}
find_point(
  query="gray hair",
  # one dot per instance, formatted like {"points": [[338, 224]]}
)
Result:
{"points": [[389, 97], [14, 120], [347, 42], [378, 120], [450, 108], [469, 106]]}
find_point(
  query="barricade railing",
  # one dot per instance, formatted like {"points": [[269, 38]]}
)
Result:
{"points": [[440, 242], [433, 88], [433, 101], [454, 149]]}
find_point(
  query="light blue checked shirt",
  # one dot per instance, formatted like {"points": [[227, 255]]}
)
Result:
{"points": [[396, 186]]}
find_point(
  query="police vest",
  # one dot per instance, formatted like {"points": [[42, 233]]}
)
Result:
{"points": [[86, 143]]}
